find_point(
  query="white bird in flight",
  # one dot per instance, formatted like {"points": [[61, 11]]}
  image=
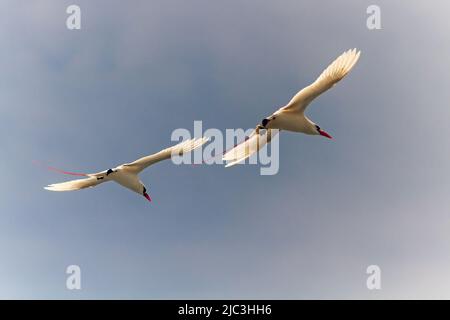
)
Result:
{"points": [[127, 174], [292, 117]]}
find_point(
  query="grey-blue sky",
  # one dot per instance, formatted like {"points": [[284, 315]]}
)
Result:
{"points": [[377, 194]]}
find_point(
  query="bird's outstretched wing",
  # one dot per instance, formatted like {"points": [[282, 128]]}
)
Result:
{"points": [[178, 149], [78, 184], [246, 149], [337, 70]]}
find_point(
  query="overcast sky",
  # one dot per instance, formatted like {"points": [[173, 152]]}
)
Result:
{"points": [[86, 100]]}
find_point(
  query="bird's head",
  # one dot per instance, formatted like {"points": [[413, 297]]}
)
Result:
{"points": [[145, 194], [322, 132]]}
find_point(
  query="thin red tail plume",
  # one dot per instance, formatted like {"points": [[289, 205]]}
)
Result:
{"points": [[59, 170]]}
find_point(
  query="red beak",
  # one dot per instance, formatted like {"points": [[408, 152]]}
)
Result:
{"points": [[147, 197], [323, 133]]}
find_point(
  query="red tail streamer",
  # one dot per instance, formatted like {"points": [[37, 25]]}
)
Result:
{"points": [[59, 170]]}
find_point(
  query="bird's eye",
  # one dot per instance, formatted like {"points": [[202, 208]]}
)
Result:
{"points": [[145, 190], [317, 127]]}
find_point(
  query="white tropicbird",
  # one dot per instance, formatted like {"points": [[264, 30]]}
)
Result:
{"points": [[292, 117], [127, 174]]}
